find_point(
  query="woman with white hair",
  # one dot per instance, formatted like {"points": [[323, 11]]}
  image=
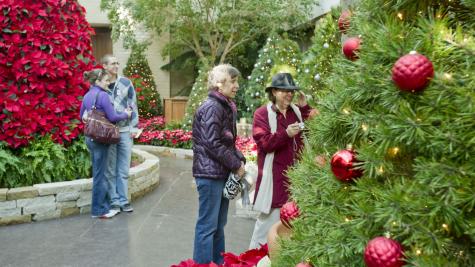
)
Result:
{"points": [[214, 157]]}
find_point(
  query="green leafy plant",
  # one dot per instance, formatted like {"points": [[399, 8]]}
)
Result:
{"points": [[10, 166], [43, 161]]}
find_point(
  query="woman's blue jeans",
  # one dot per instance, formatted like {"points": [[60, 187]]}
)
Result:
{"points": [[117, 172], [100, 201], [212, 217]]}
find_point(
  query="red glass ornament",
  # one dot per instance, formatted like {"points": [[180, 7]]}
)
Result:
{"points": [[383, 252], [350, 47], [344, 21], [289, 212], [342, 165], [412, 72], [304, 264]]}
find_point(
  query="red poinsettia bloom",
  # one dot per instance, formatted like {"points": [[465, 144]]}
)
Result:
{"points": [[154, 134], [191, 263], [249, 258], [45, 49]]}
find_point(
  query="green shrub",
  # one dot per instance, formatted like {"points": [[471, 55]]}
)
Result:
{"points": [[43, 161]]}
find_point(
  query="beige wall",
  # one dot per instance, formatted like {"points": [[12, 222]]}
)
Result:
{"points": [[93, 13], [96, 17]]}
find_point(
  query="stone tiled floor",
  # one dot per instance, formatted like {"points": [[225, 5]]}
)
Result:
{"points": [[158, 233]]}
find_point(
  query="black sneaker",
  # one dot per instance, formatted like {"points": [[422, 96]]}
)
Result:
{"points": [[127, 208]]}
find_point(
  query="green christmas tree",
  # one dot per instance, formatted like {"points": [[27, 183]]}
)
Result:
{"points": [[199, 93], [317, 60], [138, 71], [278, 55], [415, 146]]}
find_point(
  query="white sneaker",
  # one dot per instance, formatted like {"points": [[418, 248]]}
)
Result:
{"points": [[111, 213], [108, 215]]}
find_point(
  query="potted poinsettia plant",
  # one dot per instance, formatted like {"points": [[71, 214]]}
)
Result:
{"points": [[249, 258]]}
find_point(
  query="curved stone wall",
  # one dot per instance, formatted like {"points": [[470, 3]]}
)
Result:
{"points": [[61, 199]]}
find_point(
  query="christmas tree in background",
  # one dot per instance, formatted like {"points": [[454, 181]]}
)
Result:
{"points": [[199, 92], [278, 55], [317, 60], [405, 121], [138, 71]]}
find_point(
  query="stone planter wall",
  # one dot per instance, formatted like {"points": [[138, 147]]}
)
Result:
{"points": [[179, 153], [61, 199]]}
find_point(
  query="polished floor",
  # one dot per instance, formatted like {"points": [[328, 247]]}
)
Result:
{"points": [[158, 233]]}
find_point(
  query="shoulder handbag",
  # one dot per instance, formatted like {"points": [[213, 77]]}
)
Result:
{"points": [[99, 128]]}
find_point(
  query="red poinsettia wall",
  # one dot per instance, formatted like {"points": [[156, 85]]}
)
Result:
{"points": [[45, 47]]}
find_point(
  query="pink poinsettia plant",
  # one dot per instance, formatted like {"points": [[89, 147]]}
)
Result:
{"points": [[45, 47], [249, 258]]}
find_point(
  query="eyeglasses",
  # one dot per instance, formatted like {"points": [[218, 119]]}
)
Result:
{"points": [[115, 63], [286, 91]]}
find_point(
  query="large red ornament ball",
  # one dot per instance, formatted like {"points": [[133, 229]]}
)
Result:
{"points": [[383, 252], [304, 264], [344, 21], [350, 47], [342, 165], [412, 72], [288, 213]]}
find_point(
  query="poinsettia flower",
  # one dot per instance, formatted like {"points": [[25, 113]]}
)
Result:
{"points": [[42, 46], [191, 263], [249, 258]]}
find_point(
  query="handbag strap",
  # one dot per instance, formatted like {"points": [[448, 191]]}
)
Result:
{"points": [[95, 101]]}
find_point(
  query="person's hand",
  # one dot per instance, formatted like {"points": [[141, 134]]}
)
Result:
{"points": [[84, 116], [293, 129], [241, 171], [128, 111], [302, 99]]}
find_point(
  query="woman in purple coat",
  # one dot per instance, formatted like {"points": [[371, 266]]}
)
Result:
{"points": [[96, 95], [277, 130], [214, 157]]}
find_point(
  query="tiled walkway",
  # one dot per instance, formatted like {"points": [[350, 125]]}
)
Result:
{"points": [[158, 233]]}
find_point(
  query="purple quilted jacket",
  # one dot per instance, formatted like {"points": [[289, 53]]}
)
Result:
{"points": [[214, 137]]}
